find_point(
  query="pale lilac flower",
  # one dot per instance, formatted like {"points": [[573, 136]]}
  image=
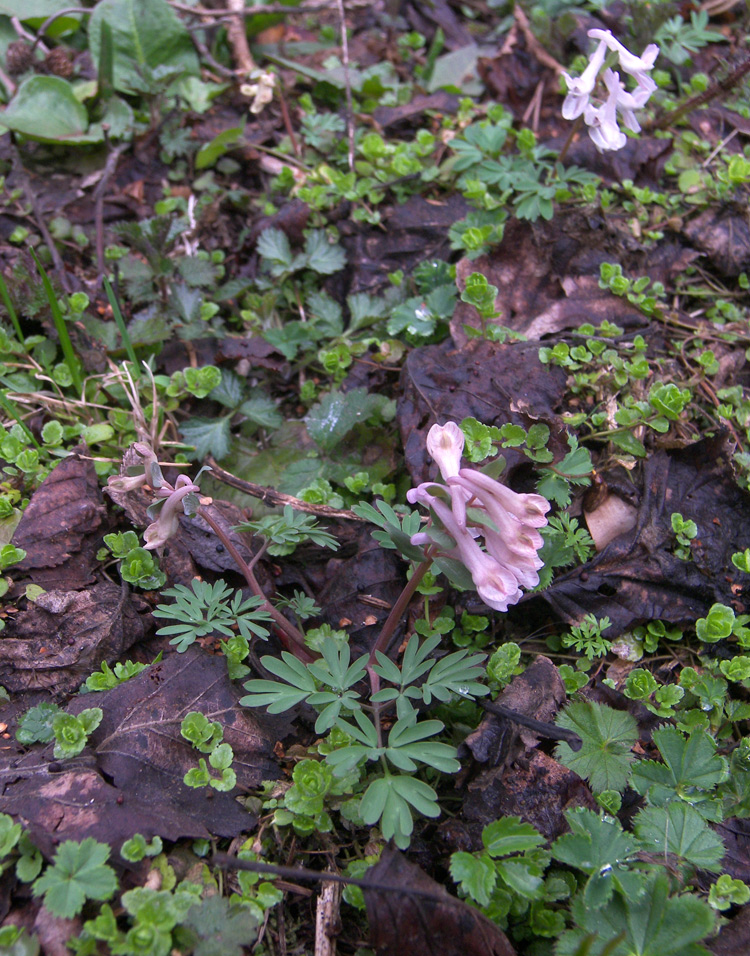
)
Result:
{"points": [[481, 510], [636, 66], [167, 522], [580, 88], [445, 444], [496, 585], [529, 509]]}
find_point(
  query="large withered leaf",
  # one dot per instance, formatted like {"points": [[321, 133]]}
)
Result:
{"points": [[536, 788], [422, 919], [494, 383], [139, 747], [637, 577], [539, 693], [129, 779], [547, 277], [72, 801], [57, 528], [57, 641]]}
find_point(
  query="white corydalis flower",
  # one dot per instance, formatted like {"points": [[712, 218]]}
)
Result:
{"points": [[636, 66], [602, 122], [602, 119], [581, 88]]}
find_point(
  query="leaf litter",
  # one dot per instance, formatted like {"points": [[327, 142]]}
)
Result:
{"points": [[548, 280]]}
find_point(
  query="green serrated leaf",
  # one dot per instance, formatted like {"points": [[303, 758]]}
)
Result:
{"points": [[510, 835], [679, 829], [607, 737], [209, 436], [79, 872]]}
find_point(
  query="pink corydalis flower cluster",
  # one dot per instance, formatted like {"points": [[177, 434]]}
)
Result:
{"points": [[602, 119], [171, 500], [507, 522]]}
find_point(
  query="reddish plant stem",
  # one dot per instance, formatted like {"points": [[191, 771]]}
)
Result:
{"points": [[294, 638], [397, 612]]}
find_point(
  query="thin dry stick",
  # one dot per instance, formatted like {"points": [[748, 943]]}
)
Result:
{"points": [[238, 38], [347, 83], [9, 85], [303, 7], [327, 918], [270, 496], [56, 16], [109, 168], [716, 89], [286, 627], [40, 219]]}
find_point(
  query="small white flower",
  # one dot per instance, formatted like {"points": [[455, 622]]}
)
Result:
{"points": [[580, 88], [261, 90], [602, 121], [636, 66]]}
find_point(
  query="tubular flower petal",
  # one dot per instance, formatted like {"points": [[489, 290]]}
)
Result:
{"points": [[445, 444], [523, 568], [529, 509], [636, 66], [602, 122], [126, 482], [580, 88], [496, 585], [167, 523]]}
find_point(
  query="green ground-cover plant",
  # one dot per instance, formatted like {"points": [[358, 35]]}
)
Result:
{"points": [[388, 729]]}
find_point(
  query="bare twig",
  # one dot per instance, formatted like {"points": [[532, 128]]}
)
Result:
{"points": [[56, 16], [347, 83], [238, 38], [716, 89], [9, 85], [270, 496], [39, 216], [292, 634], [109, 168], [327, 919], [226, 862], [305, 7], [533, 44], [541, 727]]}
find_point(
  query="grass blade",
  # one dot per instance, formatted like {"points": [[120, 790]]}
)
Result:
{"points": [[62, 329], [120, 323], [5, 296]]}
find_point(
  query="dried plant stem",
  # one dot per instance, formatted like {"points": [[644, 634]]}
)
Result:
{"points": [[347, 83], [238, 38]]}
